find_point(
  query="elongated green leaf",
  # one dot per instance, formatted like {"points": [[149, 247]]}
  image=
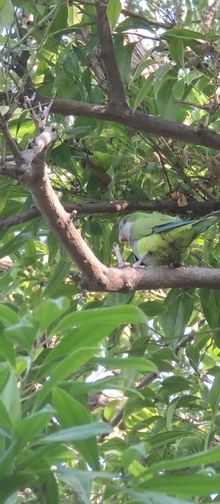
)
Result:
{"points": [[23, 333], [178, 89], [177, 311], [211, 306], [77, 433], [71, 413], [113, 11], [143, 92], [184, 34], [64, 369], [154, 498], [13, 244], [58, 275], [76, 341], [7, 461], [114, 316], [31, 426], [16, 481], [214, 393], [184, 485], [82, 486], [8, 316], [6, 350], [50, 310], [206, 457], [6, 14], [138, 363], [176, 48], [10, 396]]}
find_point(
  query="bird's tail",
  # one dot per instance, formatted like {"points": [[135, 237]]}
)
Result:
{"points": [[206, 222]]}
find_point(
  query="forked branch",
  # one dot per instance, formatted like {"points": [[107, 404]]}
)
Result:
{"points": [[96, 276]]}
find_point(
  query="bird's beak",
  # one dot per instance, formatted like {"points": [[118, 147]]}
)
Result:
{"points": [[121, 237]]}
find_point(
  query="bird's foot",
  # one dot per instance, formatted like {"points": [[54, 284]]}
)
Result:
{"points": [[175, 264], [139, 263], [121, 262]]}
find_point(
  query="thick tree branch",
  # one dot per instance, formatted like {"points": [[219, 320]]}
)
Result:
{"points": [[117, 96], [130, 279], [137, 121], [61, 224]]}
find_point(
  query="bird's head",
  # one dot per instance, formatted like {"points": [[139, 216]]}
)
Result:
{"points": [[124, 229]]}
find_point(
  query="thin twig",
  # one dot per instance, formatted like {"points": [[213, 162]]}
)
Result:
{"points": [[11, 143], [197, 208], [143, 383], [146, 20]]}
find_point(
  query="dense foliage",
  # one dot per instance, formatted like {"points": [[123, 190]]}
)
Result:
{"points": [[108, 397]]}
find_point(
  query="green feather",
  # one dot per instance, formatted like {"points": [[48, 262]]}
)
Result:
{"points": [[159, 239]]}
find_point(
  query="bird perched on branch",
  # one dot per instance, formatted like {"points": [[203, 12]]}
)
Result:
{"points": [[158, 239]]}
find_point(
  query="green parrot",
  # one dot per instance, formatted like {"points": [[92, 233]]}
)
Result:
{"points": [[158, 239]]}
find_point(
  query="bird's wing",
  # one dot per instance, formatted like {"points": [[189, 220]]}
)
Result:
{"points": [[148, 224]]}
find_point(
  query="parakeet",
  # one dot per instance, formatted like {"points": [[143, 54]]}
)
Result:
{"points": [[158, 239]]}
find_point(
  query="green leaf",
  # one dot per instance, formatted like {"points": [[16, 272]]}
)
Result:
{"points": [[178, 307], [198, 459], [16, 481], [77, 433], [7, 461], [176, 384], [178, 89], [50, 310], [59, 274], [6, 14], [214, 393], [143, 92], [153, 498], [31, 426], [23, 333], [114, 316], [184, 485], [152, 308], [184, 34], [139, 364], [71, 412], [64, 369], [14, 244], [74, 15], [5, 421], [8, 316], [176, 48], [6, 350], [81, 485], [10, 395], [211, 306], [113, 12]]}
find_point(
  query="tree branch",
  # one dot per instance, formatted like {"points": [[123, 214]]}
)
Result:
{"points": [[117, 96], [198, 208], [137, 121], [130, 279], [11, 143]]}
